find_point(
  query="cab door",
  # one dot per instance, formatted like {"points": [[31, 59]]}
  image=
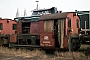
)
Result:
{"points": [[61, 32], [46, 36]]}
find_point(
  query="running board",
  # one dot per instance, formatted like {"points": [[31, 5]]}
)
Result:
{"points": [[34, 46]]}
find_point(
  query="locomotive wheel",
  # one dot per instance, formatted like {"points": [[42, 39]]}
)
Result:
{"points": [[75, 44]]}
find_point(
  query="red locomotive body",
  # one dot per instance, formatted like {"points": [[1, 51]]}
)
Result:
{"points": [[50, 31], [34, 28], [28, 29], [56, 28], [7, 28]]}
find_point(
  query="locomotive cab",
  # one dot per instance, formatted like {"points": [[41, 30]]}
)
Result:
{"points": [[56, 28]]}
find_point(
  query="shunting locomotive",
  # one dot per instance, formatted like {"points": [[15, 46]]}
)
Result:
{"points": [[28, 29], [47, 29]]}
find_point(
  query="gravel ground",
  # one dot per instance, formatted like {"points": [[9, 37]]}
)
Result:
{"points": [[13, 57], [22, 54], [5, 56]]}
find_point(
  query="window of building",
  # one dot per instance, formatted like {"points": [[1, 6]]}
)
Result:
{"points": [[69, 22], [1, 27], [14, 27]]}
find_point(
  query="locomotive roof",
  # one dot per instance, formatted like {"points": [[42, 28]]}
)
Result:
{"points": [[54, 16]]}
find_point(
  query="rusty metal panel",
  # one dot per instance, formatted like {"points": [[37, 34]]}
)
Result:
{"points": [[48, 26], [19, 27], [65, 42], [41, 26], [34, 28], [13, 38], [46, 40]]}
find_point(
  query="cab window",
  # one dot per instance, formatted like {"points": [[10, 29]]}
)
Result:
{"points": [[77, 23], [48, 26], [1, 27], [14, 27], [69, 22]]}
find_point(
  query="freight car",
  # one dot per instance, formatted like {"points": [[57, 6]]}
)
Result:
{"points": [[27, 32], [7, 28]]}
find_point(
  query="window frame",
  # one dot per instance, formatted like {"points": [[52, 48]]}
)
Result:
{"points": [[14, 26], [69, 21], [1, 26], [50, 27], [77, 23]]}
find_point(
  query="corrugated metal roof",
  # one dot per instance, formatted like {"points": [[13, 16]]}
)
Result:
{"points": [[54, 16]]}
